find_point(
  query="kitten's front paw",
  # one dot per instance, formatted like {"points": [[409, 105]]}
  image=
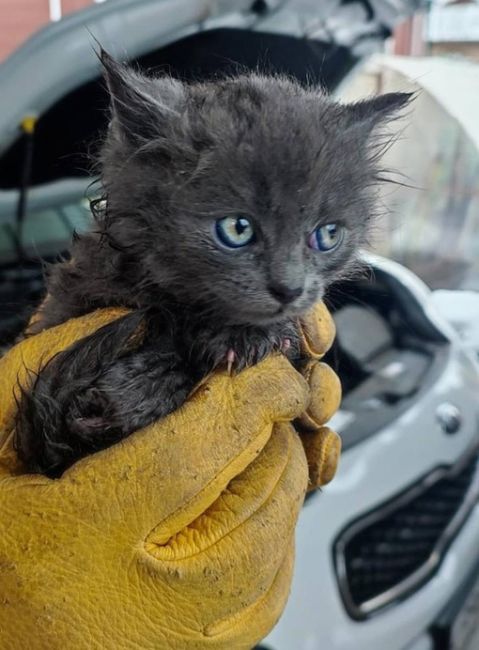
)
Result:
{"points": [[238, 348], [252, 355]]}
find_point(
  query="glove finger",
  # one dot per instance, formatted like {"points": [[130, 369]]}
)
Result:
{"points": [[325, 389], [317, 331], [173, 470], [323, 450], [243, 496], [238, 546]]}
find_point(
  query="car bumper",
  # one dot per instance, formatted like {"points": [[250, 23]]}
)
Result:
{"points": [[371, 473]]}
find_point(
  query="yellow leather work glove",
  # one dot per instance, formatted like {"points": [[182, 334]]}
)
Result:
{"points": [[179, 537], [321, 445]]}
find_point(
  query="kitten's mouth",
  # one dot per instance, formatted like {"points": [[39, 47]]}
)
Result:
{"points": [[294, 310], [244, 315], [269, 317], [262, 318]]}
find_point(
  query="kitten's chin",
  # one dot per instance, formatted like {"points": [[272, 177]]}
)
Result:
{"points": [[264, 319]]}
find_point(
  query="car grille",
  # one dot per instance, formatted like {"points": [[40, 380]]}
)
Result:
{"points": [[391, 552]]}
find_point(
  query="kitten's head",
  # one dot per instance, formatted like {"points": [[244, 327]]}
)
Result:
{"points": [[244, 197]]}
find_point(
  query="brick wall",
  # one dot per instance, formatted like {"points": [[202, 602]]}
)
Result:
{"points": [[408, 37], [19, 19], [74, 5]]}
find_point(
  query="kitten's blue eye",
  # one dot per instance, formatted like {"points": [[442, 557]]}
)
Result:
{"points": [[326, 238], [235, 232]]}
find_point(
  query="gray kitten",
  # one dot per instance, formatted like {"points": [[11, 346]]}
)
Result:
{"points": [[230, 207]]}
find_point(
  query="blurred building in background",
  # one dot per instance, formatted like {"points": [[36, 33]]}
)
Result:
{"points": [[19, 19], [448, 27], [408, 38], [454, 28]]}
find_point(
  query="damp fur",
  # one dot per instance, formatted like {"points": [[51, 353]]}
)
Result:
{"points": [[176, 158]]}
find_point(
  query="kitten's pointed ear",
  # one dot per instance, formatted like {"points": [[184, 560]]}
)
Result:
{"points": [[372, 112], [141, 106]]}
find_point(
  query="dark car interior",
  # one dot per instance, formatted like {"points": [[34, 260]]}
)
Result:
{"points": [[65, 148], [386, 352]]}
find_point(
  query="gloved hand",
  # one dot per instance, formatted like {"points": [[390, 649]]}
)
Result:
{"points": [[180, 536]]}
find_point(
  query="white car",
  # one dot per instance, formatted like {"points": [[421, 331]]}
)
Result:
{"points": [[387, 555]]}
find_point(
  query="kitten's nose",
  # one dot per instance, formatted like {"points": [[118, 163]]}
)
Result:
{"points": [[285, 294]]}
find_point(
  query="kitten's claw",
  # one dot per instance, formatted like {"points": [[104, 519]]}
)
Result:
{"points": [[285, 345], [230, 359]]}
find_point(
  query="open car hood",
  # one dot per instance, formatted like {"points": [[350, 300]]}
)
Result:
{"points": [[56, 76], [61, 57]]}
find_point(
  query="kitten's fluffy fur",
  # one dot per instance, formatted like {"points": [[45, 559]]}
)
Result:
{"points": [[177, 158]]}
